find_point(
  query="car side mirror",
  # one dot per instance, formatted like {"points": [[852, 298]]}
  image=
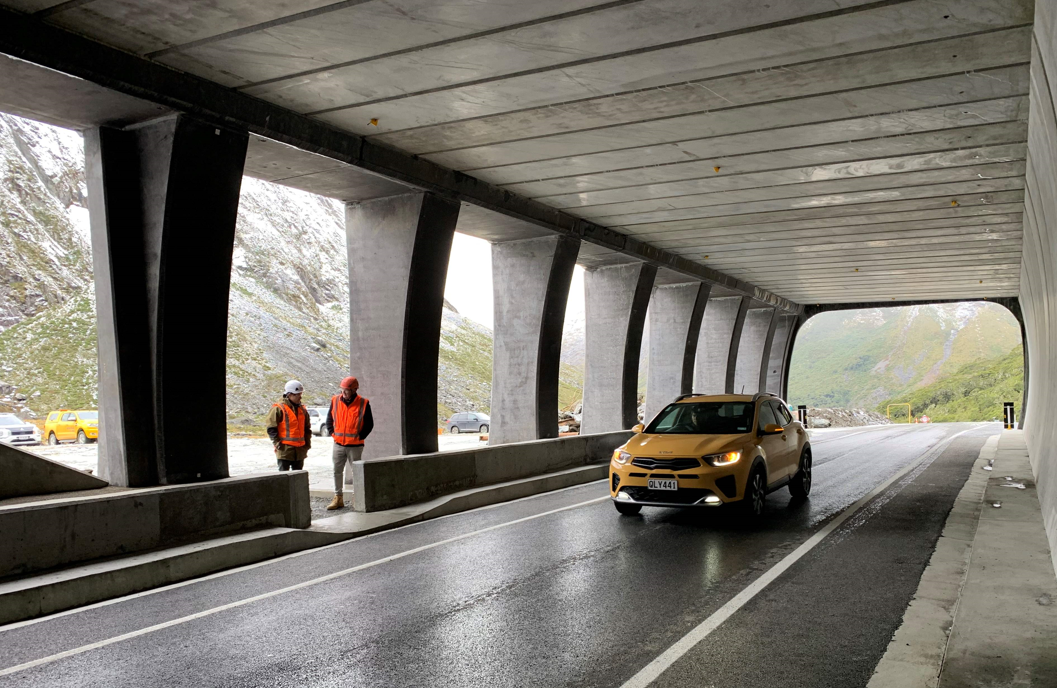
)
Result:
{"points": [[772, 429], [639, 427]]}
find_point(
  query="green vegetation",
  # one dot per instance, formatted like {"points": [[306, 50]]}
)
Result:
{"points": [[975, 392]]}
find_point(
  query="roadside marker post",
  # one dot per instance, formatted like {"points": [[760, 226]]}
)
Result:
{"points": [[1010, 415]]}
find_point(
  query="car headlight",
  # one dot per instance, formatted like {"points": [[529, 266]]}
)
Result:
{"points": [[5, 433], [621, 456], [723, 459]]}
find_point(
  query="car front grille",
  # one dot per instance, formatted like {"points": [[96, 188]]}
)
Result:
{"points": [[21, 432], [665, 464]]}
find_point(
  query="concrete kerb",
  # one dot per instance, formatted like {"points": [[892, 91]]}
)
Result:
{"points": [[983, 611], [54, 592]]}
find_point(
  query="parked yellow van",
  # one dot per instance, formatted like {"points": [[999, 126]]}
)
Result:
{"points": [[65, 424]]}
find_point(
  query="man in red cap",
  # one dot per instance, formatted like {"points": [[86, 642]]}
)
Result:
{"points": [[349, 421]]}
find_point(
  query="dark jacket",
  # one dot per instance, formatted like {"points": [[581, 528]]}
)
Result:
{"points": [[368, 419], [285, 451]]}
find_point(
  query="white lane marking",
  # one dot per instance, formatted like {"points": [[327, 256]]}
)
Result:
{"points": [[274, 593], [658, 666], [276, 560]]}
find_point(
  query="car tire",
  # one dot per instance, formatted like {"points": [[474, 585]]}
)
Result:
{"points": [[800, 485], [52, 439], [81, 437], [323, 431], [755, 494], [627, 509], [484, 429], [454, 430]]}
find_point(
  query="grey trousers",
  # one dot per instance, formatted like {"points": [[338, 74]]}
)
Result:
{"points": [[341, 456]]}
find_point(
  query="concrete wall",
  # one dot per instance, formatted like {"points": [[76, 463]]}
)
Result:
{"points": [[398, 262], [753, 346], [713, 346], [1038, 279], [530, 284], [616, 301], [402, 480], [28, 474], [675, 324], [43, 535]]}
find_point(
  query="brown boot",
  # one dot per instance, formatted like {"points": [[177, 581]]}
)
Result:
{"points": [[337, 503]]}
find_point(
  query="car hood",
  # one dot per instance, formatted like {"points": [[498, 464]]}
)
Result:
{"points": [[670, 446]]}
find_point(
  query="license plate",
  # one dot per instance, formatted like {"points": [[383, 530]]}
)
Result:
{"points": [[657, 484]]}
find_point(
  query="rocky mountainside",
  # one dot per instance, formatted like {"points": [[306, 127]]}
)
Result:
{"points": [[860, 358], [288, 308]]}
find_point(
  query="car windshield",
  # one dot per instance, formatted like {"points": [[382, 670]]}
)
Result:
{"points": [[88, 415], [704, 418], [10, 420]]}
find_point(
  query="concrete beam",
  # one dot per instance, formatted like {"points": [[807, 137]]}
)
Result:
{"points": [[34, 41], [779, 356], [675, 324], [398, 262], [26, 473], [765, 357], [163, 199], [530, 283], [616, 300]]}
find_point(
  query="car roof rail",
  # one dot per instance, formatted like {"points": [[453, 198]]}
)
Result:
{"points": [[687, 396], [760, 395]]}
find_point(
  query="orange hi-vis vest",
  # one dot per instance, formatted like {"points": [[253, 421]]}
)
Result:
{"points": [[348, 420], [292, 426]]}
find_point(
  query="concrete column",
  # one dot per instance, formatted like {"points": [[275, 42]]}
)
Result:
{"points": [[794, 328], [163, 199], [713, 346], [398, 263], [735, 344], [616, 300], [530, 284], [752, 350], [675, 324], [779, 355]]}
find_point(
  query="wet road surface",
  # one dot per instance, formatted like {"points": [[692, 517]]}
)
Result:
{"points": [[555, 590]]}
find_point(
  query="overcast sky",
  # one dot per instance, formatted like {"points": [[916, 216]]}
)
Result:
{"points": [[469, 286]]}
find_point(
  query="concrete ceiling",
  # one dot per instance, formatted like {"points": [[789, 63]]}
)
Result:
{"points": [[825, 150]]}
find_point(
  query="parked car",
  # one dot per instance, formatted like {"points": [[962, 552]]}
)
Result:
{"points": [[65, 424], [318, 417], [468, 422], [17, 432]]}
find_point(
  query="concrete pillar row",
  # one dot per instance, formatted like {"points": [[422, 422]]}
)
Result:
{"points": [[616, 301], [398, 264], [675, 324], [752, 350], [779, 356], [714, 345], [530, 283], [163, 199]]}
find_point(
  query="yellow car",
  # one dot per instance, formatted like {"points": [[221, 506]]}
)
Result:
{"points": [[82, 426], [706, 451]]}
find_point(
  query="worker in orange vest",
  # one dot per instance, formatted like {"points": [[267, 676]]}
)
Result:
{"points": [[290, 429], [349, 421]]}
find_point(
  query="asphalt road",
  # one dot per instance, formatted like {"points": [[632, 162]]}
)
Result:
{"points": [[554, 590]]}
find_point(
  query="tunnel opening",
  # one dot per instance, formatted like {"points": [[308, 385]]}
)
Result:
{"points": [[923, 362]]}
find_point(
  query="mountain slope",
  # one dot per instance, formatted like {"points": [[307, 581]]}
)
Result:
{"points": [[976, 391], [856, 359]]}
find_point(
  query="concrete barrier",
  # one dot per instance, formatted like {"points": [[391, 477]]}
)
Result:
{"points": [[44, 535], [402, 480], [28, 474]]}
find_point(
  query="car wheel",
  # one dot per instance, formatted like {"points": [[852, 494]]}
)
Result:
{"points": [[800, 486], [81, 437], [755, 494], [627, 509], [454, 430], [52, 439], [323, 431], [484, 429]]}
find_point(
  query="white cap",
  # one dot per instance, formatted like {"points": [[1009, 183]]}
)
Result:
{"points": [[294, 387]]}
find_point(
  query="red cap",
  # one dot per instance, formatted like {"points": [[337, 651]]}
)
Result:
{"points": [[350, 383]]}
